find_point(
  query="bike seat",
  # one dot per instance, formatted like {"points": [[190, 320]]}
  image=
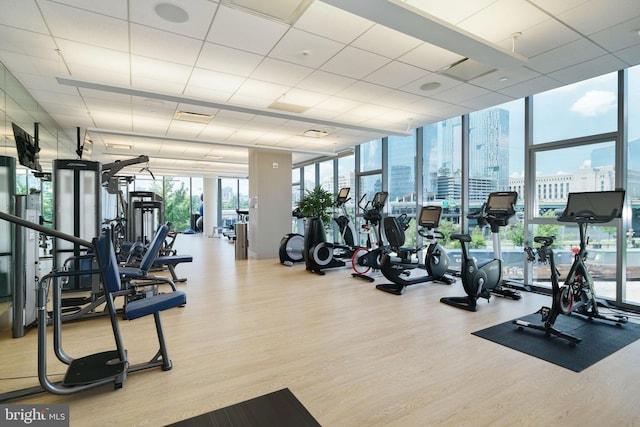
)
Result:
{"points": [[461, 237]]}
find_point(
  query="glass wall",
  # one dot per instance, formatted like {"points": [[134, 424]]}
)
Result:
{"points": [[631, 290], [401, 178]]}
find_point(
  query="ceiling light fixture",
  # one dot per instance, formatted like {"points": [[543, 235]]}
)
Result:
{"points": [[212, 157], [187, 116], [172, 13], [314, 133], [117, 146], [430, 86]]}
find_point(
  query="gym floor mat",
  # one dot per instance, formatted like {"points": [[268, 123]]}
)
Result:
{"points": [[599, 340], [280, 408]]}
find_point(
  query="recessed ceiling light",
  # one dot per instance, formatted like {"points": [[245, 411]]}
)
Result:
{"points": [[503, 79], [188, 116], [172, 13], [286, 106], [287, 11], [430, 86], [212, 157], [116, 146], [315, 133]]}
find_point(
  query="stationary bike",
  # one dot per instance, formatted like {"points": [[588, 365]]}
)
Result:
{"points": [[397, 268], [481, 279], [577, 294], [320, 254], [367, 258]]}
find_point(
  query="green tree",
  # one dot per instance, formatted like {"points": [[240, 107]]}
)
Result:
{"points": [[515, 233], [177, 205], [447, 228], [477, 239], [549, 230]]}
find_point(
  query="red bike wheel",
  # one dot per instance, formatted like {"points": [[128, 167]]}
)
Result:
{"points": [[360, 269]]}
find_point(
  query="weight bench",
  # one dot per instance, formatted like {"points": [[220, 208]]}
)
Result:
{"points": [[139, 275], [139, 308], [170, 263]]}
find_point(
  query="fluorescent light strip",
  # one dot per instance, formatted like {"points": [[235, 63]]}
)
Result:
{"points": [[222, 106], [207, 143]]}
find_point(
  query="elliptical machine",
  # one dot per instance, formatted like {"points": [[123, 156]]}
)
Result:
{"points": [[367, 258], [577, 294], [292, 244], [481, 279], [397, 268], [320, 254]]}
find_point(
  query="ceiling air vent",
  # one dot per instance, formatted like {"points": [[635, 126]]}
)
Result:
{"points": [[466, 69], [314, 133], [193, 117], [285, 106]]}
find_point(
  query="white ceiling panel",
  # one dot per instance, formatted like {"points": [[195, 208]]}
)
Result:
{"points": [[566, 55], [586, 70], [453, 11], [596, 15], [245, 31], [430, 57], [396, 74], [162, 76], [164, 46], [363, 92], [228, 60], [332, 23], [280, 72], [354, 63], [26, 17], [386, 42], [303, 48], [31, 44], [113, 8]]}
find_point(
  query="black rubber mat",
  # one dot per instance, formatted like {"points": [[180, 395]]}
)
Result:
{"points": [[280, 408], [599, 340]]}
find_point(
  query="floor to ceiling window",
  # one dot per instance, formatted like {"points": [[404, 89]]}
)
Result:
{"points": [[574, 136], [401, 179], [632, 230]]}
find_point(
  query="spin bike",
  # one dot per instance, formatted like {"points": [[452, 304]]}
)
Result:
{"points": [[397, 268], [577, 294], [481, 279], [368, 258], [320, 254]]}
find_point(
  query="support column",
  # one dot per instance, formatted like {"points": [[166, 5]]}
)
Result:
{"points": [[210, 201], [269, 201]]}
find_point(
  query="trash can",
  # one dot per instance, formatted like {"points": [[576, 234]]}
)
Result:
{"points": [[242, 243]]}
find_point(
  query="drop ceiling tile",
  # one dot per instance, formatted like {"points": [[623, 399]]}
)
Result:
{"points": [[26, 43], [504, 17], [513, 76], [323, 82], [213, 80], [89, 28], [163, 45], [332, 23], [595, 67], [354, 63], [303, 48], [485, 101], [280, 72], [26, 17], [228, 60], [556, 7], [397, 99], [630, 55], [396, 74], [460, 93], [541, 38], [445, 82], [565, 56], [452, 11], [337, 105], [113, 8], [163, 76], [530, 87], [430, 57], [269, 92], [200, 13], [244, 31], [619, 36], [363, 92], [95, 63], [386, 42], [594, 16]]}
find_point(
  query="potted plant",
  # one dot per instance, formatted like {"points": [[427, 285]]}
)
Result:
{"points": [[316, 203]]}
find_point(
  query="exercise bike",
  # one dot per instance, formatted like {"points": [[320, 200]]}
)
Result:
{"points": [[397, 268], [368, 258], [320, 254], [577, 294], [481, 279]]}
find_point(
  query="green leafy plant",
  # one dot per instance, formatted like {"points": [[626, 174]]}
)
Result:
{"points": [[316, 203]]}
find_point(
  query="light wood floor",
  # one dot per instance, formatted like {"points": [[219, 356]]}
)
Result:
{"points": [[354, 356]]}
